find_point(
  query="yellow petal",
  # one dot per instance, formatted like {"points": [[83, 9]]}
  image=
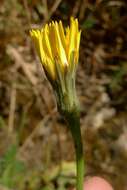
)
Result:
{"points": [[77, 46], [34, 36], [50, 68], [46, 43], [61, 51], [52, 39], [62, 35], [67, 40], [37, 38], [72, 37]]}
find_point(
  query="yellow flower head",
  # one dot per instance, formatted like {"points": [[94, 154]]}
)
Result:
{"points": [[58, 48]]}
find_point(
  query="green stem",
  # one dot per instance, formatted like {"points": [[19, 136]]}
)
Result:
{"points": [[74, 126]]}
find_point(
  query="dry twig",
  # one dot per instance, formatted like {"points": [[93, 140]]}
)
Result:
{"points": [[21, 63], [52, 10]]}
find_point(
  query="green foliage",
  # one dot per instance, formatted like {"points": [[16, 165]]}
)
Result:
{"points": [[89, 23], [11, 169]]}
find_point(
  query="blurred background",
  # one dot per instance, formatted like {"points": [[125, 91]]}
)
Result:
{"points": [[36, 149]]}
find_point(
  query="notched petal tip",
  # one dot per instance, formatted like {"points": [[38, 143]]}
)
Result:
{"points": [[31, 32], [35, 33]]}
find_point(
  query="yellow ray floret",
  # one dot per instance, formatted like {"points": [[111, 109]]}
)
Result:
{"points": [[53, 42]]}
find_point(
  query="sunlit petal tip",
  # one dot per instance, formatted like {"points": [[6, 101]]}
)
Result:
{"points": [[72, 18], [76, 22], [31, 33], [60, 22], [42, 30], [46, 27], [53, 23]]}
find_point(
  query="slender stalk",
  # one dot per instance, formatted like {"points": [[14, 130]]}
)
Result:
{"points": [[68, 107], [74, 126]]}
